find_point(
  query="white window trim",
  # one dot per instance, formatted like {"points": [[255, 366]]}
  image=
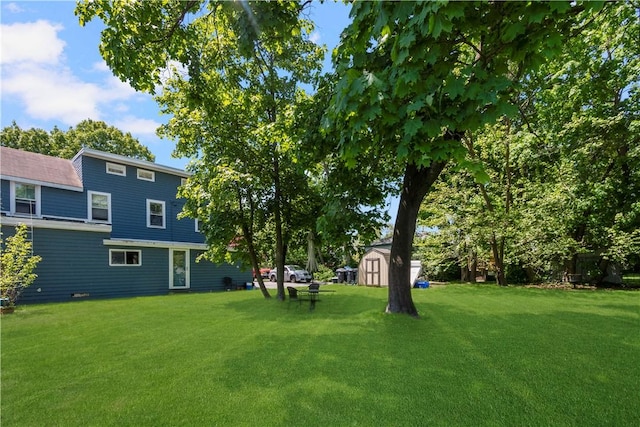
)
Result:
{"points": [[197, 221], [164, 213], [116, 166], [125, 258], [187, 268], [90, 207], [153, 175], [12, 203]]}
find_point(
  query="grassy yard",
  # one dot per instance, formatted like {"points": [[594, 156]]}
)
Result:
{"points": [[479, 355]]}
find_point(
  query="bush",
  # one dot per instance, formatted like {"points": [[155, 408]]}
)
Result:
{"points": [[324, 274], [16, 265]]}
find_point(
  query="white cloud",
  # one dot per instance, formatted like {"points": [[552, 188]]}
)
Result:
{"points": [[137, 126], [315, 37], [35, 73], [13, 8], [101, 66], [31, 42], [52, 93]]}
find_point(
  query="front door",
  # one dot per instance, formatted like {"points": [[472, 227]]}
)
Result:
{"points": [[178, 268]]}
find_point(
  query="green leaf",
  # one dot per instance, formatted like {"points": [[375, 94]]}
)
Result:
{"points": [[406, 39], [415, 106], [512, 31], [454, 86], [412, 127]]}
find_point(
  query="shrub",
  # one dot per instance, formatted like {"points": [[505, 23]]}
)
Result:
{"points": [[16, 265], [324, 274]]}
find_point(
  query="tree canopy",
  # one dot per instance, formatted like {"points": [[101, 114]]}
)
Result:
{"points": [[416, 77], [564, 176], [66, 144], [229, 74]]}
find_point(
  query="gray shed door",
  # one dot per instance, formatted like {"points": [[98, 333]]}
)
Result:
{"points": [[372, 266]]}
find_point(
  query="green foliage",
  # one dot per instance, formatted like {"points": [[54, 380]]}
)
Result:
{"points": [[87, 134], [412, 74], [563, 176], [324, 274], [415, 77], [17, 265], [229, 74]]}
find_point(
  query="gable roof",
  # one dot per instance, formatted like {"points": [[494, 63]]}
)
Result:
{"points": [[386, 253], [39, 169]]}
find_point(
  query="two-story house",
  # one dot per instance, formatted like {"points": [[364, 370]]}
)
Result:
{"points": [[105, 226]]}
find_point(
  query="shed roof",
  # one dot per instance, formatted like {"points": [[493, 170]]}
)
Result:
{"points": [[35, 168]]}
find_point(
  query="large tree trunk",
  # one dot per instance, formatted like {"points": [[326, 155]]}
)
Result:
{"points": [[416, 184]]}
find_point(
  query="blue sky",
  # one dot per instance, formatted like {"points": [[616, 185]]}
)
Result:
{"points": [[52, 73]]}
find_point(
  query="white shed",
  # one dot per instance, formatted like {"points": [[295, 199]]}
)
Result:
{"points": [[373, 269]]}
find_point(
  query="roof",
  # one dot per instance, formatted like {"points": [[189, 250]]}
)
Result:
{"points": [[35, 168], [383, 251]]}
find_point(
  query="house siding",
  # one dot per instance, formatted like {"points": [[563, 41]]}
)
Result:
{"points": [[129, 197], [5, 201], [63, 203], [75, 253], [75, 265], [206, 276], [72, 263]]}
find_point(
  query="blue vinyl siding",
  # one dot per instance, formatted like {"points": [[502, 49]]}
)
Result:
{"points": [[5, 201], [129, 197], [77, 262], [53, 201], [72, 262], [64, 203], [206, 276]]}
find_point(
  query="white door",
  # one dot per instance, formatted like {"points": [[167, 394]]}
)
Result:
{"points": [[178, 268]]}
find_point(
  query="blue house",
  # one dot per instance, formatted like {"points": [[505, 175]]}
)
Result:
{"points": [[105, 226]]}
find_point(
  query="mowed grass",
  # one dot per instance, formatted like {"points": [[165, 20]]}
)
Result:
{"points": [[478, 355]]}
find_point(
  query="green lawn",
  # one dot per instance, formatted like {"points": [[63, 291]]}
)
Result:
{"points": [[479, 355]]}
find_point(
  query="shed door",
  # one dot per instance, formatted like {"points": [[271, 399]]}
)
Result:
{"points": [[372, 269], [178, 269]]}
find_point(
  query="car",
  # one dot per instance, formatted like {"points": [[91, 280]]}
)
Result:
{"points": [[264, 272], [292, 273]]}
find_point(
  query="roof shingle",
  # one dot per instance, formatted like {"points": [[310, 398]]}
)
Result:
{"points": [[38, 168]]}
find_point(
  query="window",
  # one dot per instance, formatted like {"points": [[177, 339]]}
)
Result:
{"points": [[155, 214], [26, 199], [146, 175], [115, 169], [99, 206], [183, 181], [198, 226], [121, 257]]}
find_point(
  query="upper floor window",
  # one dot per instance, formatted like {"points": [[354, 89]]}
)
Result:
{"points": [[116, 169], [155, 214], [26, 199], [99, 206], [146, 175]]}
